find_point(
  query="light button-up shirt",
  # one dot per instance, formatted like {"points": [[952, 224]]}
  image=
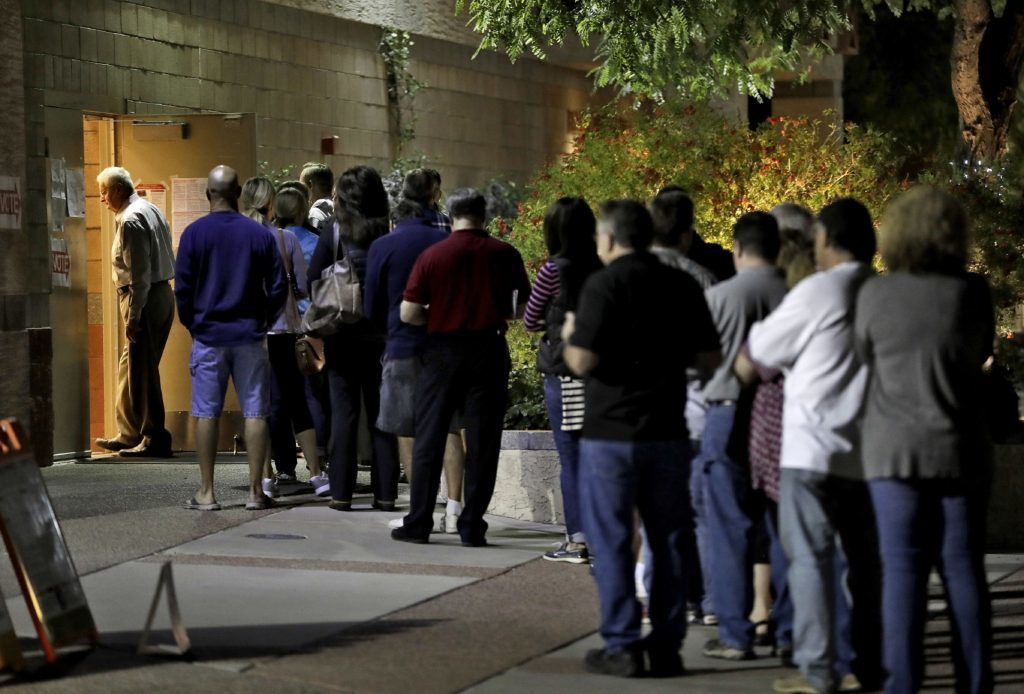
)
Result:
{"points": [[142, 254]]}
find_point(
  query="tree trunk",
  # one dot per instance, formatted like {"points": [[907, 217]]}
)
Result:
{"points": [[987, 57]]}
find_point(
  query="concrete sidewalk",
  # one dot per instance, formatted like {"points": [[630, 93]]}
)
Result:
{"points": [[306, 599]]}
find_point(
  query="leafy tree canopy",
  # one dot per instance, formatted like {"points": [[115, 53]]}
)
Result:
{"points": [[694, 47]]}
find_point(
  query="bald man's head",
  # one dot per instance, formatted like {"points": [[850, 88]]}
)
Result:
{"points": [[222, 188]]}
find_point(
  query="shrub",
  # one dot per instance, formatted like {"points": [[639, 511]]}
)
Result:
{"points": [[727, 168]]}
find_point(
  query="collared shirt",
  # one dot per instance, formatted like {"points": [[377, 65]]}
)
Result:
{"points": [[810, 338], [388, 266], [646, 323], [141, 253], [438, 220], [471, 282], [736, 304]]}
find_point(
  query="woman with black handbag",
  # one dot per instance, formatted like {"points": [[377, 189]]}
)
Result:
{"points": [[354, 350], [569, 232]]}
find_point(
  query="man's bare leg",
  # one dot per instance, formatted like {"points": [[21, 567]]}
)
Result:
{"points": [[207, 429], [405, 455], [257, 440], [454, 471]]}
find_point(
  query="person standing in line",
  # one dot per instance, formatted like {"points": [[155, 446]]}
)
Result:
{"points": [[925, 330], [319, 180], [823, 500], [639, 326], [709, 256], [354, 352], [733, 510], [257, 200], [388, 266], [569, 233], [143, 266], [229, 282], [434, 215], [464, 289]]}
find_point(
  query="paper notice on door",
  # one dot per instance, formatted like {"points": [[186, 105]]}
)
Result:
{"points": [[74, 185], [188, 202], [58, 195], [155, 193]]}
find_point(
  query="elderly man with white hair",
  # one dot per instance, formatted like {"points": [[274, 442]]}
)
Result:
{"points": [[143, 265]]}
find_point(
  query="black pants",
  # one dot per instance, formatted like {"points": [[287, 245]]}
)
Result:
{"points": [[469, 370], [353, 373], [289, 411]]}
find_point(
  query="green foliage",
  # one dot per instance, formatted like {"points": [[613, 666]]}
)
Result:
{"points": [[526, 408], [276, 176], [396, 49], [728, 169]]}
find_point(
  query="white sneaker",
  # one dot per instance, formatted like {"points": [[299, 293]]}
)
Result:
{"points": [[270, 487], [321, 485], [396, 523], [451, 523]]}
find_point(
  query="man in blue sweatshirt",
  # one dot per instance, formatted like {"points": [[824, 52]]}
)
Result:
{"points": [[229, 283]]}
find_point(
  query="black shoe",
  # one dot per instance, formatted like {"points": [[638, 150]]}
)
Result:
{"points": [[664, 663], [113, 445], [340, 504], [404, 535], [147, 452], [383, 505], [474, 542], [621, 664], [785, 654]]}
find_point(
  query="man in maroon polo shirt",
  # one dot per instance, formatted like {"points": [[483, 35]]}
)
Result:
{"points": [[464, 289]]}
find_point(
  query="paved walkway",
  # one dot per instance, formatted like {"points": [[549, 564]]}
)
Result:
{"points": [[305, 599]]}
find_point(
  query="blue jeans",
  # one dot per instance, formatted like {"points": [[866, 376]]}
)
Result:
{"points": [[817, 512], [925, 523], [700, 528], [782, 610], [732, 509], [616, 478], [568, 445]]}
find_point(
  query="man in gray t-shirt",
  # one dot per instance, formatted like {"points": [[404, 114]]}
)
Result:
{"points": [[735, 304]]}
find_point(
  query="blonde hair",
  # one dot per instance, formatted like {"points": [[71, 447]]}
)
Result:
{"points": [[925, 230], [116, 176], [257, 194]]}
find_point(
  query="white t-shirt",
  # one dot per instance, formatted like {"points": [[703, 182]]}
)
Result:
{"points": [[319, 212], [810, 338]]}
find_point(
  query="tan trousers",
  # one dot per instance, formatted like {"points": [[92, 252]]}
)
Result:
{"points": [[140, 403]]}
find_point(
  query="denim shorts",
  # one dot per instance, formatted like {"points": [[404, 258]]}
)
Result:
{"points": [[398, 398], [247, 365]]}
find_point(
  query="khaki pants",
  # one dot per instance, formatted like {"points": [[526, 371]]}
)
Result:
{"points": [[140, 404]]}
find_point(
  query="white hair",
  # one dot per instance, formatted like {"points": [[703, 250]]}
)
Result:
{"points": [[115, 175]]}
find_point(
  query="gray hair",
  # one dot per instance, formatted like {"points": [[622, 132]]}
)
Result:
{"points": [[789, 215], [115, 175]]}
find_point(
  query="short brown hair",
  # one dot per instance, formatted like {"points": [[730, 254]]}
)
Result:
{"points": [[925, 230]]}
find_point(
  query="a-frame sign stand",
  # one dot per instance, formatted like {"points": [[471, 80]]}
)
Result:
{"points": [[47, 575]]}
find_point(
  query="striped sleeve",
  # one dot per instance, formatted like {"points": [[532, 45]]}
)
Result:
{"points": [[545, 288]]}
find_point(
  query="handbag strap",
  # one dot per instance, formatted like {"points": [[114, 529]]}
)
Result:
{"points": [[291, 310]]}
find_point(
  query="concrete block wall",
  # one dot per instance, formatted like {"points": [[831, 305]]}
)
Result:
{"points": [[307, 75]]}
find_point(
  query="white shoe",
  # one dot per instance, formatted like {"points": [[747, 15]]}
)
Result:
{"points": [[270, 487], [450, 524], [396, 523], [321, 485]]}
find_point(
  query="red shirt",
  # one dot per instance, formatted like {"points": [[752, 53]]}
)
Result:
{"points": [[468, 281]]}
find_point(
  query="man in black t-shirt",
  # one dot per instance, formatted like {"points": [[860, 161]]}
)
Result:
{"points": [[639, 325]]}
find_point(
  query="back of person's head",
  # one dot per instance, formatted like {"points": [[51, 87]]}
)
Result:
{"points": [[629, 223], [257, 195], [847, 226], [318, 178], [468, 204], [757, 233], [793, 217], [417, 194], [289, 208], [796, 256], [672, 213], [925, 230], [361, 205], [569, 228]]}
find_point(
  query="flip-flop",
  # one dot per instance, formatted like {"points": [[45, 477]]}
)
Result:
{"points": [[194, 505], [261, 505]]}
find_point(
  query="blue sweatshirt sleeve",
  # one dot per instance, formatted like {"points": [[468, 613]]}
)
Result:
{"points": [[373, 306], [184, 282], [277, 287]]}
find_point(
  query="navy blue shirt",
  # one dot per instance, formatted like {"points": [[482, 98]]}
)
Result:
{"points": [[387, 270], [228, 279]]}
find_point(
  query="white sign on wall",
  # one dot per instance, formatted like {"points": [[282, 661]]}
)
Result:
{"points": [[60, 263], [10, 202]]}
